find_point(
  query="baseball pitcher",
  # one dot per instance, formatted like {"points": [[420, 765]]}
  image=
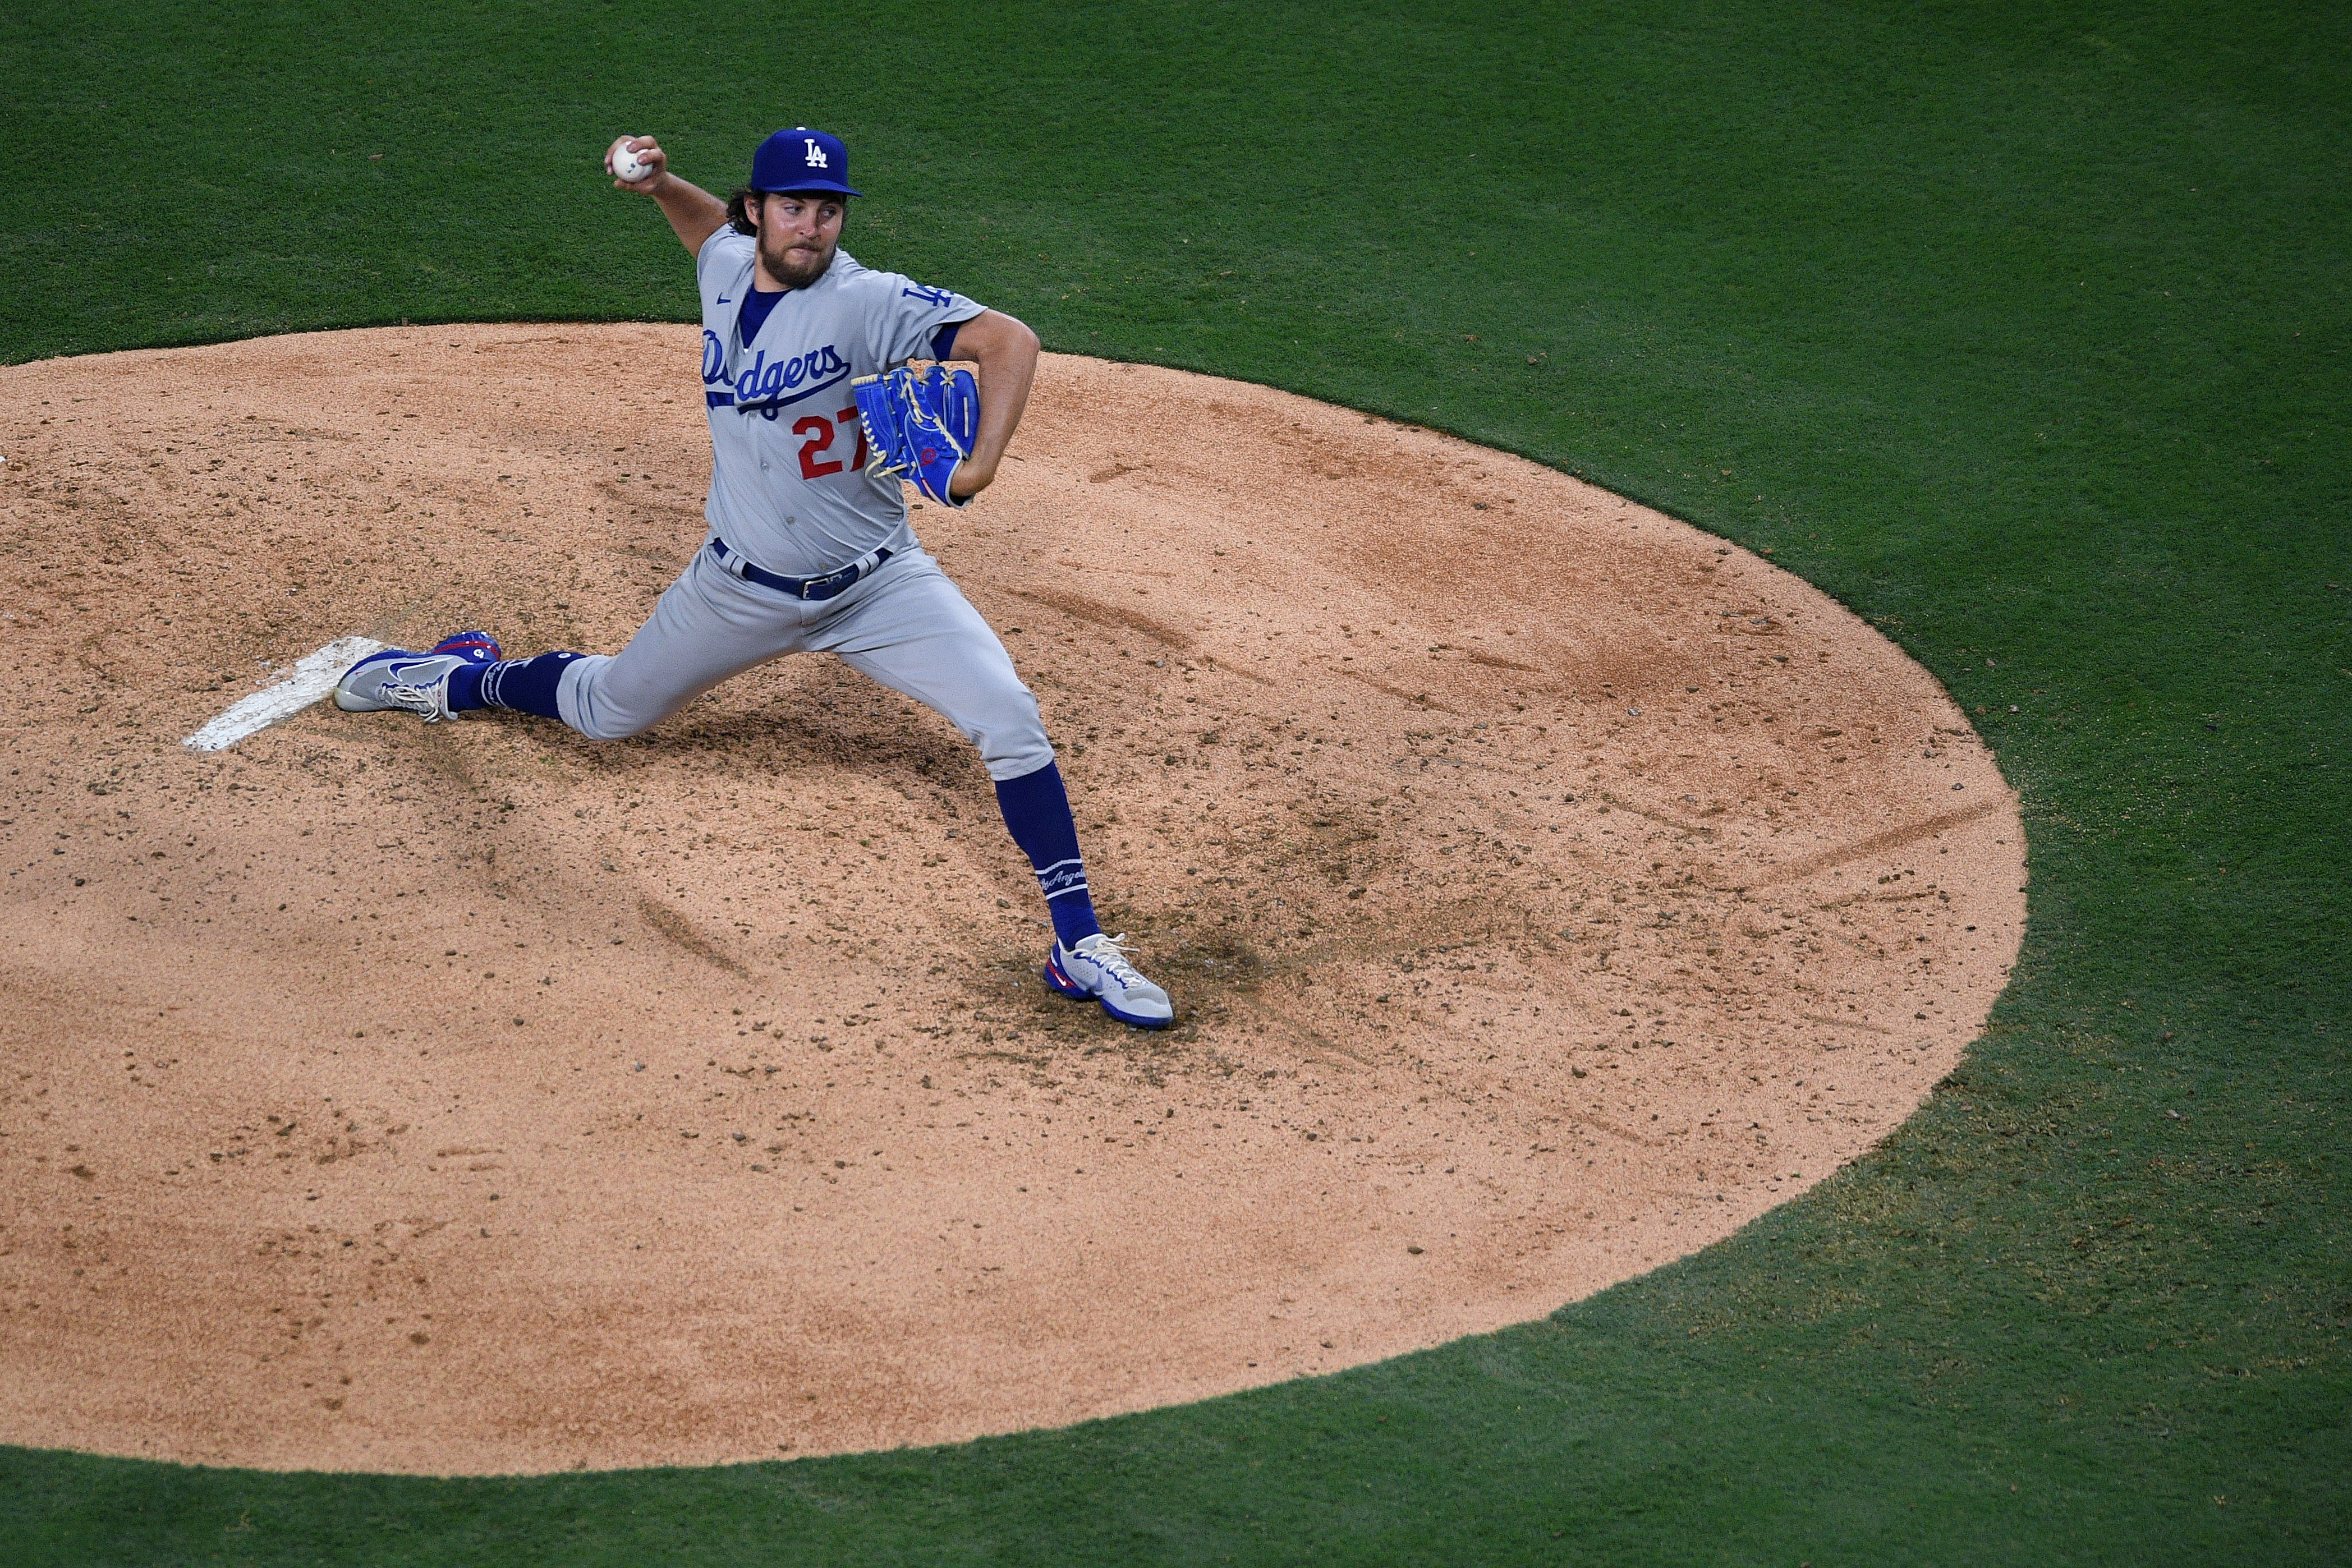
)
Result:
{"points": [[809, 549]]}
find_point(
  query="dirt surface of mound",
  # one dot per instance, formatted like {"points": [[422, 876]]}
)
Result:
{"points": [[1545, 888]]}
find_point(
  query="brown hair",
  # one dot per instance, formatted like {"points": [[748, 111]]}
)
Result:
{"points": [[738, 206], [739, 217]]}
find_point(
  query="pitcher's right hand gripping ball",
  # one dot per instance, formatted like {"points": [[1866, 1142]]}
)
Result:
{"points": [[920, 421], [634, 162]]}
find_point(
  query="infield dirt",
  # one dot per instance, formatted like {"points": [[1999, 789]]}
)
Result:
{"points": [[1547, 889]]}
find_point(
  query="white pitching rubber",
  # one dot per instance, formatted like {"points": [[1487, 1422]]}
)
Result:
{"points": [[314, 676]]}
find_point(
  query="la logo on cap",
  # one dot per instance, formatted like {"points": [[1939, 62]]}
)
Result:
{"points": [[802, 159]]}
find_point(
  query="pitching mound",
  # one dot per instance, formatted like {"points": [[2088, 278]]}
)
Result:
{"points": [[1547, 890]]}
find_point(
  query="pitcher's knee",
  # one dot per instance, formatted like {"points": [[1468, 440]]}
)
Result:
{"points": [[584, 701], [1011, 737], [611, 731]]}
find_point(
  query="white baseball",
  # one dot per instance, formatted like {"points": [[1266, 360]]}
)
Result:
{"points": [[627, 167]]}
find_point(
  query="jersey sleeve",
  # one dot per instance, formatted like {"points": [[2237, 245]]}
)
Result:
{"points": [[908, 315], [724, 251]]}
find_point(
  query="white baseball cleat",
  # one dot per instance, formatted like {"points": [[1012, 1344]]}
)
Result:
{"points": [[1098, 968]]}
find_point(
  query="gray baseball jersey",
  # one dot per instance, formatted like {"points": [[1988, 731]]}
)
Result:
{"points": [[789, 489]]}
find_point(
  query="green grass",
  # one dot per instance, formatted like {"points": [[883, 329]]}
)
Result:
{"points": [[2023, 329]]}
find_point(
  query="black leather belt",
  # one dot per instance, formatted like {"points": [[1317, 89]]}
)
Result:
{"points": [[810, 588]]}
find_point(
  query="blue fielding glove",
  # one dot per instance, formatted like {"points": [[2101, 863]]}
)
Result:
{"points": [[920, 421]]}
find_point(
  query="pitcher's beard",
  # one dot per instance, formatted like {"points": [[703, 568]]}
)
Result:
{"points": [[781, 266]]}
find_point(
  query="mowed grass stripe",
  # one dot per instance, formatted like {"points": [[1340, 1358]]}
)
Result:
{"points": [[2023, 331]]}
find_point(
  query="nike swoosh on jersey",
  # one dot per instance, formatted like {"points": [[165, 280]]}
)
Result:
{"points": [[724, 300]]}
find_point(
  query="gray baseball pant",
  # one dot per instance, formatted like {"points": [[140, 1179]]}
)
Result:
{"points": [[906, 626]]}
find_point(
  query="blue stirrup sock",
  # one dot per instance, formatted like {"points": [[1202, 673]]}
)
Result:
{"points": [[520, 685], [1037, 809]]}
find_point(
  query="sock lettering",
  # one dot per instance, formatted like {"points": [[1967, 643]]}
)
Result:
{"points": [[1037, 810]]}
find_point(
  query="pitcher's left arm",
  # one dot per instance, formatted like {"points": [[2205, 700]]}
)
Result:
{"points": [[1005, 350]]}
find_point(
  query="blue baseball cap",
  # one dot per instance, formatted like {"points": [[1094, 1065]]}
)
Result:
{"points": [[801, 160]]}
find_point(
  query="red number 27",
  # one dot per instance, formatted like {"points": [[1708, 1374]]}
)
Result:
{"points": [[819, 431]]}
